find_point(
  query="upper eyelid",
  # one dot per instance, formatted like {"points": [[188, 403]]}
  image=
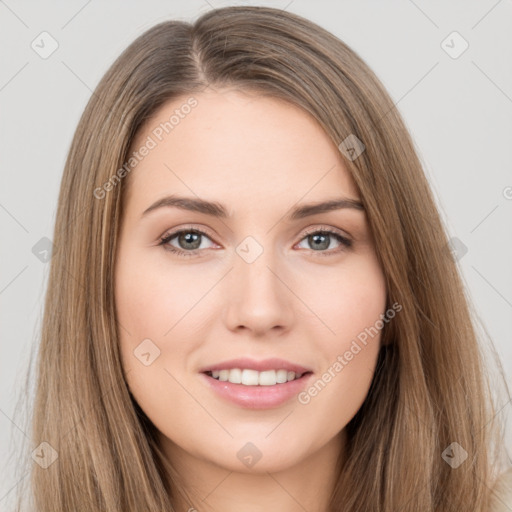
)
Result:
{"points": [[173, 233], [338, 231]]}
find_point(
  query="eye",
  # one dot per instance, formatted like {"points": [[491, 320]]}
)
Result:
{"points": [[190, 240], [320, 239]]}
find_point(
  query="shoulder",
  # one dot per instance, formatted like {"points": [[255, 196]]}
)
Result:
{"points": [[501, 500]]}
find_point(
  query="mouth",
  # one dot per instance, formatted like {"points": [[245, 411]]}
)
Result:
{"points": [[250, 389]]}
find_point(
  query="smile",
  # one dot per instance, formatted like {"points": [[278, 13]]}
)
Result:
{"points": [[257, 396]]}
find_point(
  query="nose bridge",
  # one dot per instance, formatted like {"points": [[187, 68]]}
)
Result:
{"points": [[255, 267], [258, 298]]}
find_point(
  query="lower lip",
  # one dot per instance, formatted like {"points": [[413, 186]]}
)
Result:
{"points": [[257, 397]]}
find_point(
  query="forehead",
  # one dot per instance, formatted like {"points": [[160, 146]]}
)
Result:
{"points": [[236, 147]]}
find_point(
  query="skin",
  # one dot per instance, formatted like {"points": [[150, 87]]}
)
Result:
{"points": [[259, 157]]}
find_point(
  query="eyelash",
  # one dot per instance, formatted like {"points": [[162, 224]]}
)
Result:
{"points": [[345, 242]]}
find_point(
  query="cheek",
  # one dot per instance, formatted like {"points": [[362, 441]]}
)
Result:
{"points": [[141, 309], [160, 309], [349, 357], [346, 300], [350, 305], [151, 307], [153, 301], [339, 392]]}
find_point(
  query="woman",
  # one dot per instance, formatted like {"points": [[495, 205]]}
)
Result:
{"points": [[312, 349]]}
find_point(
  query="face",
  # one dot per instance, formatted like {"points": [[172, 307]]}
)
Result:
{"points": [[196, 290]]}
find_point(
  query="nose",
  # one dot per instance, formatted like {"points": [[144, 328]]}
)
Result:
{"points": [[258, 297]]}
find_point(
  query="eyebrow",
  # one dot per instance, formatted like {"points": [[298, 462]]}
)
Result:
{"points": [[216, 209]]}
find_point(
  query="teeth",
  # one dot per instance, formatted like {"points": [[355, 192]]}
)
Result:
{"points": [[255, 378], [281, 376]]}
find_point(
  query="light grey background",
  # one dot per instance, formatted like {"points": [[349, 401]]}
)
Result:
{"points": [[459, 111]]}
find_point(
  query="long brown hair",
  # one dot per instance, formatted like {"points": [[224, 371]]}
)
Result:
{"points": [[430, 388]]}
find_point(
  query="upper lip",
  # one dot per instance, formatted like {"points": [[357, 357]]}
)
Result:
{"points": [[260, 366]]}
